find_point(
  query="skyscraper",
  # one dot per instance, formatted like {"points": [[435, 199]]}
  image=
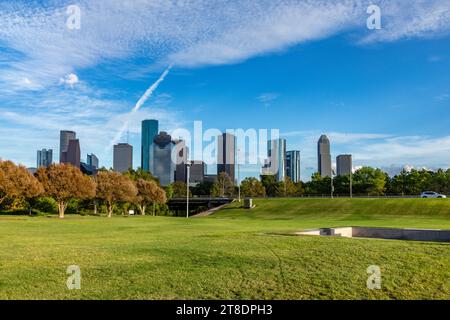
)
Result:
{"points": [[344, 164], [324, 156], [123, 157], [226, 155], [44, 158], [149, 132], [293, 165], [182, 155], [92, 160], [276, 162], [73, 153], [163, 166], [64, 138]]}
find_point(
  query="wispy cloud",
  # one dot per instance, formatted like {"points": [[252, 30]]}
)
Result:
{"points": [[267, 98], [188, 33]]}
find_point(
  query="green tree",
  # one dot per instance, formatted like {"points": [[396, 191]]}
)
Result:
{"points": [[180, 190], [252, 187], [223, 186], [370, 181]]}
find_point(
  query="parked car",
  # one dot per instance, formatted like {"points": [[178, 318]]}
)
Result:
{"points": [[431, 194]]}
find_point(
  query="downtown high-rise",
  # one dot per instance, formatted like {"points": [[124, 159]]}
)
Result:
{"points": [[344, 165], [44, 158], [276, 163], [324, 156], [149, 132], [293, 165], [64, 139], [226, 155], [123, 157]]}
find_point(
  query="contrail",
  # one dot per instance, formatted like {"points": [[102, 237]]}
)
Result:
{"points": [[139, 104]]}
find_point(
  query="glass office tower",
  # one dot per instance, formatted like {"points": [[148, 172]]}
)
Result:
{"points": [[149, 132]]}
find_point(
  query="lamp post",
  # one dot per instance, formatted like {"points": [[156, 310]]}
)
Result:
{"points": [[332, 185], [239, 176], [351, 183], [188, 172]]}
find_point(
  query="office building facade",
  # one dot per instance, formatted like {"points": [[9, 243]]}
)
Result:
{"points": [[324, 156], [163, 166], [293, 165], [276, 163], [73, 154], [226, 155], [344, 165], [149, 132], [44, 158], [64, 139], [92, 161], [123, 157]]}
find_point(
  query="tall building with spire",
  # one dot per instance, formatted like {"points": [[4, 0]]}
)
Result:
{"points": [[149, 132], [324, 156]]}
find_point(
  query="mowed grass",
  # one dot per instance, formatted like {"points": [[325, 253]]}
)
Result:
{"points": [[230, 255]]}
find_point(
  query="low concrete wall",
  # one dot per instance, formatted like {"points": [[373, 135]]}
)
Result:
{"points": [[382, 233], [402, 234]]}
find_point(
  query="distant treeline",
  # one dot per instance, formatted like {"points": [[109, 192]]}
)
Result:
{"points": [[366, 181]]}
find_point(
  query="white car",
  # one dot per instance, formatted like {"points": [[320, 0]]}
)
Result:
{"points": [[431, 194]]}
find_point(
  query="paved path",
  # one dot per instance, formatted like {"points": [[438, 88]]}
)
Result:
{"points": [[209, 212]]}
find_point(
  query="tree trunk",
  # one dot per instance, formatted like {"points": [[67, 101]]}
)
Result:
{"points": [[143, 208], [61, 209], [110, 209], [95, 207], [154, 209]]}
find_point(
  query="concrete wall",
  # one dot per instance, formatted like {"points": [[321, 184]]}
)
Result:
{"points": [[382, 233]]}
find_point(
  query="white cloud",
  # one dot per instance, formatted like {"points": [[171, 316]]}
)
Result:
{"points": [[188, 33], [70, 80]]}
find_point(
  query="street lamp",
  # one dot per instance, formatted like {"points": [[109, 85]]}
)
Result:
{"points": [[188, 172], [332, 185], [239, 177]]}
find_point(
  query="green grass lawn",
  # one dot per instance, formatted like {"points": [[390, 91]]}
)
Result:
{"points": [[230, 255]]}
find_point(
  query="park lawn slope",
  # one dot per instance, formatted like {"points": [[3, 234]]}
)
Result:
{"points": [[304, 212], [229, 255]]}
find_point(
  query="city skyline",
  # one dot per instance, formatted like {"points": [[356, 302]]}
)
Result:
{"points": [[369, 91]]}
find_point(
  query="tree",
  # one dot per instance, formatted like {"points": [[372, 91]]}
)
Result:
{"points": [[252, 187], [17, 182], [370, 181], [223, 186], [203, 188], [270, 185], [179, 189], [148, 193], [319, 185], [64, 182], [115, 187]]}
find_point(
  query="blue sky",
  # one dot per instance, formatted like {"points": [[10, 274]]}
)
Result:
{"points": [[304, 67]]}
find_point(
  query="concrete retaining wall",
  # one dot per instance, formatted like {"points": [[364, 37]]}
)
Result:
{"points": [[382, 233]]}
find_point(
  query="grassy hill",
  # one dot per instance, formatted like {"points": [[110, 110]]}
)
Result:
{"points": [[230, 255]]}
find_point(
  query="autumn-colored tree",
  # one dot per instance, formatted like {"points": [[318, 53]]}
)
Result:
{"points": [[114, 187], [148, 193], [64, 182], [17, 182]]}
